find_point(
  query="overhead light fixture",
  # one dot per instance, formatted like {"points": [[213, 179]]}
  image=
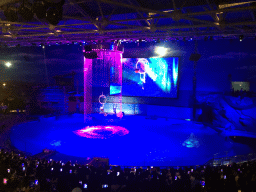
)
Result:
{"points": [[54, 15], [161, 51], [8, 64], [54, 12], [49, 9], [40, 8], [241, 37], [42, 45]]}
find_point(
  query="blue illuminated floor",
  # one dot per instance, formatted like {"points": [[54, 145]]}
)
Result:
{"points": [[149, 142]]}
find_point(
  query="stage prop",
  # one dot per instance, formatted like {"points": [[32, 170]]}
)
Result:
{"points": [[87, 86], [116, 80], [110, 59]]}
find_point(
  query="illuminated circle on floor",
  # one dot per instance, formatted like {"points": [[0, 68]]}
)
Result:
{"points": [[101, 131]]}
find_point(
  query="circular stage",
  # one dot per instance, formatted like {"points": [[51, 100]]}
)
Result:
{"points": [[131, 141]]}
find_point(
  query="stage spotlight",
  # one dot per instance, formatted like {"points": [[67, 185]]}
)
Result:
{"points": [[26, 13], [8, 64], [40, 8], [161, 51], [54, 15], [241, 37], [10, 15], [42, 45]]}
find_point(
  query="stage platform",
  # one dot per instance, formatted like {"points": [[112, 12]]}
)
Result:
{"points": [[130, 141]]}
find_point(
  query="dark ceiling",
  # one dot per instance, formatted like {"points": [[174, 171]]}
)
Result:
{"points": [[106, 20]]}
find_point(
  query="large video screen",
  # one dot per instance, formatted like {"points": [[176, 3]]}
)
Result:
{"points": [[150, 77]]}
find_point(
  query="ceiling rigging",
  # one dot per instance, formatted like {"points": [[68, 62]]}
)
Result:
{"points": [[27, 22]]}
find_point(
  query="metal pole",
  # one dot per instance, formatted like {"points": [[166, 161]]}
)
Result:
{"points": [[46, 72], [194, 84]]}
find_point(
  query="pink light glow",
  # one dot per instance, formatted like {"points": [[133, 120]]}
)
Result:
{"points": [[117, 79], [87, 87], [101, 131]]}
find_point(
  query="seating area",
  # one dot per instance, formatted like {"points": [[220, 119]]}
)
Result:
{"points": [[21, 173]]}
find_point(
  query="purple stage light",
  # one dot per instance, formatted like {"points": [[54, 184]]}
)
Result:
{"points": [[101, 131]]}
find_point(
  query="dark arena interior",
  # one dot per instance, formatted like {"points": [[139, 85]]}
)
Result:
{"points": [[127, 96]]}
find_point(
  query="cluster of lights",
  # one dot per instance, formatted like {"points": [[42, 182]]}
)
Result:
{"points": [[241, 37], [95, 42], [119, 41], [60, 43]]}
